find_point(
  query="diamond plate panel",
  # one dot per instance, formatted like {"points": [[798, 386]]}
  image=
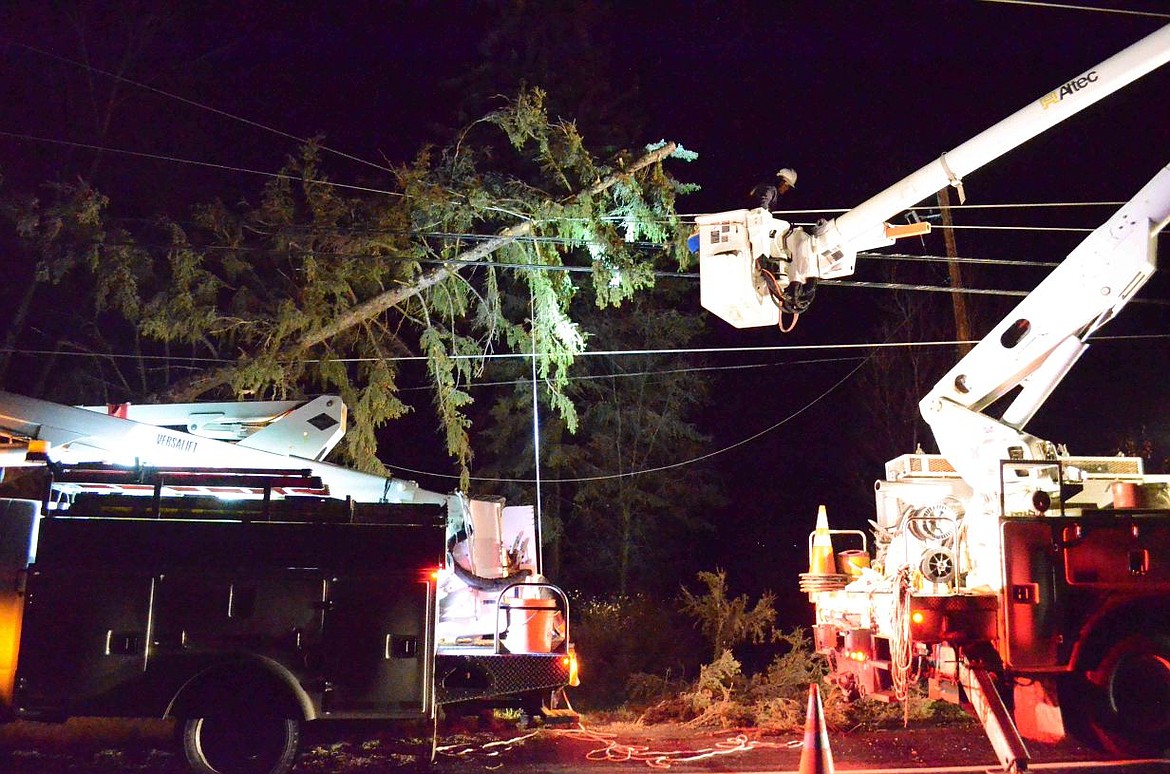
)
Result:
{"points": [[465, 677]]}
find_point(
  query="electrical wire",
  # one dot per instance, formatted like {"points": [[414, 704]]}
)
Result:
{"points": [[699, 458], [874, 285], [488, 749], [472, 237], [914, 258], [191, 102], [381, 167], [660, 468], [1075, 7], [662, 274], [872, 256], [613, 751], [930, 207], [587, 353], [194, 162], [662, 372], [902, 641]]}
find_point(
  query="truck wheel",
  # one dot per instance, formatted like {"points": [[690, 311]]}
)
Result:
{"points": [[1126, 698], [241, 744]]}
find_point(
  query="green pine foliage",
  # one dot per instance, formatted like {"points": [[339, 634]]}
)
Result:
{"points": [[727, 621], [315, 287]]}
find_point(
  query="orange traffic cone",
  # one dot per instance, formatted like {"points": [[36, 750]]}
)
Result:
{"points": [[820, 555], [822, 572], [816, 757]]}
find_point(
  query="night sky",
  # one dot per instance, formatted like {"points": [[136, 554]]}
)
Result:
{"points": [[854, 95]]}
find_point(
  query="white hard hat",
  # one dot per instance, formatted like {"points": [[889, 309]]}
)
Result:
{"points": [[788, 175]]}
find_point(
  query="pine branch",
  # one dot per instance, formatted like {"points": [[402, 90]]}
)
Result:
{"points": [[192, 387]]}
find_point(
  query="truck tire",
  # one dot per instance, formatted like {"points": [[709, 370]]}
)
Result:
{"points": [[1123, 704], [241, 743]]}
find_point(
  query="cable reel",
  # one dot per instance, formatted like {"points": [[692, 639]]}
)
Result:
{"points": [[937, 565], [935, 523]]}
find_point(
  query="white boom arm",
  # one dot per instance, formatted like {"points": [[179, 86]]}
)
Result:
{"points": [[732, 241], [1035, 345], [308, 429], [83, 435]]}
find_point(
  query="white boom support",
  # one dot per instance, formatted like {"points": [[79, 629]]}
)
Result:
{"points": [[1036, 345]]}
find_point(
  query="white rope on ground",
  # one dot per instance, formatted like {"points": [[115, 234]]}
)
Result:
{"points": [[612, 750], [609, 749], [487, 749]]}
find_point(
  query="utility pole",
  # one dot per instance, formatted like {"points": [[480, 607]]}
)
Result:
{"points": [[958, 299]]}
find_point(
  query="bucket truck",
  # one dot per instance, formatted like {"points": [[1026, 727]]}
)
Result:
{"points": [[201, 562], [1027, 584]]}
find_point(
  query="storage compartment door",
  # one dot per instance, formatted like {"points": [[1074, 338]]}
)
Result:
{"points": [[1031, 603], [379, 653], [84, 643]]}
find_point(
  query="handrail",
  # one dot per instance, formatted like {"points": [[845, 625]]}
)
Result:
{"points": [[563, 647]]}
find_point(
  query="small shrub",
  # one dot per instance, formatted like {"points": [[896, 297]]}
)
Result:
{"points": [[869, 715], [792, 671], [717, 681], [643, 689], [728, 621], [632, 648], [780, 714], [713, 700]]}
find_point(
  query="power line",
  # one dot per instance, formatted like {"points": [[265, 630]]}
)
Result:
{"points": [[664, 274], [702, 457], [871, 346], [369, 189], [1075, 7], [912, 258], [193, 103], [873, 285], [682, 216], [662, 372], [554, 240], [194, 162], [779, 348], [660, 468]]}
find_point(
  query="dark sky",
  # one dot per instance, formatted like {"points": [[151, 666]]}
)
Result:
{"points": [[854, 95]]}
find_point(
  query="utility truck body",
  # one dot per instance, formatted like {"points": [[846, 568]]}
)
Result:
{"points": [[247, 601]]}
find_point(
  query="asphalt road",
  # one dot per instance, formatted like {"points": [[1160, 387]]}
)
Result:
{"points": [[116, 747]]}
